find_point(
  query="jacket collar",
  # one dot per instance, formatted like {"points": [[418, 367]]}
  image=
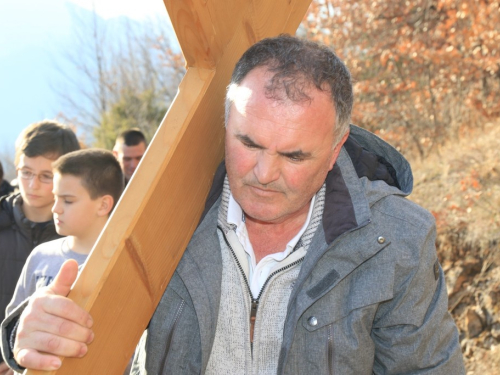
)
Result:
{"points": [[367, 170]]}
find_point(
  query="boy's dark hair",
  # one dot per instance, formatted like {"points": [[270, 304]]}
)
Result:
{"points": [[131, 137], [1, 172], [99, 170], [46, 138]]}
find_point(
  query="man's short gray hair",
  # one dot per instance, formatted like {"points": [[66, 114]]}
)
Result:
{"points": [[297, 64]]}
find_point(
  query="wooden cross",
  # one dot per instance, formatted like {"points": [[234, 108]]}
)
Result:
{"points": [[138, 251]]}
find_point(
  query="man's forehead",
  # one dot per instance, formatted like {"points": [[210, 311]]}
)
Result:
{"points": [[245, 98], [251, 87], [137, 149], [262, 85]]}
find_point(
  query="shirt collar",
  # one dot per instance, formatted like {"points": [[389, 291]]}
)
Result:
{"points": [[236, 217]]}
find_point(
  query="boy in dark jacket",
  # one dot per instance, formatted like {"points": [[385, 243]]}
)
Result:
{"points": [[26, 217]]}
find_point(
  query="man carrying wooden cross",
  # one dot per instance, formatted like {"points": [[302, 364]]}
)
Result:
{"points": [[308, 258]]}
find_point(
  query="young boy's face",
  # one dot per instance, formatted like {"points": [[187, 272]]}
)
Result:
{"points": [[35, 181], [74, 210]]}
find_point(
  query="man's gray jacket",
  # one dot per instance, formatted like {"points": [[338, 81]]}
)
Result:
{"points": [[370, 296]]}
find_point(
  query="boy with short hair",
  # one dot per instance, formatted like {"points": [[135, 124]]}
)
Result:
{"points": [[26, 217], [87, 185]]}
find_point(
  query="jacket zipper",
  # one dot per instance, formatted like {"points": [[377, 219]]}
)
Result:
{"points": [[255, 301], [330, 349]]}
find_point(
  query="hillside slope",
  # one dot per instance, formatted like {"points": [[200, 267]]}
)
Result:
{"points": [[460, 185]]}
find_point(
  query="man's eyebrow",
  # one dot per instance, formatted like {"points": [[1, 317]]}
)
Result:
{"points": [[299, 154], [248, 141]]}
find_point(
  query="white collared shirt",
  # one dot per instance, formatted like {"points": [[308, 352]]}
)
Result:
{"points": [[257, 274]]}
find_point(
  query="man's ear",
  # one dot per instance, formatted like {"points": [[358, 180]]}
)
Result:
{"points": [[106, 205], [336, 150]]}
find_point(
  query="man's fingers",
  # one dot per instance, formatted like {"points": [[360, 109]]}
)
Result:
{"points": [[52, 299], [52, 325], [32, 359], [31, 350], [65, 308], [65, 278], [58, 325], [48, 343]]}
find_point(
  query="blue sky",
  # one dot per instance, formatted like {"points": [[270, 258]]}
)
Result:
{"points": [[33, 34]]}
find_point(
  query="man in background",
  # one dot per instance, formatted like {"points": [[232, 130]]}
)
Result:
{"points": [[128, 150]]}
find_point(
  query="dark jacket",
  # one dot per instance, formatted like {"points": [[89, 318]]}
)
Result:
{"points": [[18, 236], [5, 188]]}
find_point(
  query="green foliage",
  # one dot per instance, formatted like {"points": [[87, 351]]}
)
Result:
{"points": [[144, 111]]}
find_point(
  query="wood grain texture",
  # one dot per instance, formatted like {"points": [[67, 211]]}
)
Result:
{"points": [[138, 251]]}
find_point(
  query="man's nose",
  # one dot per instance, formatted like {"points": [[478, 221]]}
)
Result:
{"points": [[266, 169], [134, 163]]}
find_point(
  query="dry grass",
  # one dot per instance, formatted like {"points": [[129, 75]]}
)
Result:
{"points": [[460, 185]]}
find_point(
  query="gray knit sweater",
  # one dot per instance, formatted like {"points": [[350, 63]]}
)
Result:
{"points": [[232, 352]]}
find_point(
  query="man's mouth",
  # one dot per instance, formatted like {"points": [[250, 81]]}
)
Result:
{"points": [[263, 191]]}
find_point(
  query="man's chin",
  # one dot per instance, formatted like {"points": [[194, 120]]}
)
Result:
{"points": [[261, 215]]}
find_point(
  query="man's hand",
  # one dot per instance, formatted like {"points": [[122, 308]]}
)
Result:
{"points": [[53, 324], [5, 370]]}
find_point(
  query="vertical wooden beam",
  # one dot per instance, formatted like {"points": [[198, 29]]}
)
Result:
{"points": [[138, 251]]}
